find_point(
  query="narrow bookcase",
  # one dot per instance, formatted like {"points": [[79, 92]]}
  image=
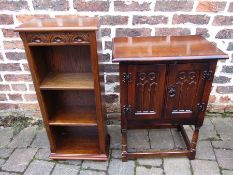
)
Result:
{"points": [[63, 56]]}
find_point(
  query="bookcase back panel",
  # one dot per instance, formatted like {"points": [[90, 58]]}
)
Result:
{"points": [[61, 59], [65, 98], [69, 59]]}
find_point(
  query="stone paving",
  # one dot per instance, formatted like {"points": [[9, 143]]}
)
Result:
{"points": [[27, 153]]}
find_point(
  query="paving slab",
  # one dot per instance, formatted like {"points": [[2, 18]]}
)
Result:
{"points": [[140, 170], [43, 153], [116, 167], [202, 167], [19, 159], [6, 173], [178, 139], [155, 162], [39, 167], [116, 153], [90, 172], [205, 151], [95, 165], [225, 144], [6, 135], [207, 131], [24, 138], [227, 172], [115, 132], [161, 139], [138, 140], [189, 131], [2, 161], [224, 158], [70, 162], [177, 166], [62, 169], [5, 152], [224, 127], [41, 140]]}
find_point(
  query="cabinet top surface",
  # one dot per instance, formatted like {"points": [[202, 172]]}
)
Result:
{"points": [[164, 48], [59, 24]]}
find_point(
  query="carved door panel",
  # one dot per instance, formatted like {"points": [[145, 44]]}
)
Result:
{"points": [[146, 90], [184, 89]]}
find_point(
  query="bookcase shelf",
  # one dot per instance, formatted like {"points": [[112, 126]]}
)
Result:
{"points": [[78, 81], [63, 59], [74, 116]]}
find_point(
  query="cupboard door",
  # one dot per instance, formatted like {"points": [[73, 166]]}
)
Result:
{"points": [[185, 87], [146, 90]]}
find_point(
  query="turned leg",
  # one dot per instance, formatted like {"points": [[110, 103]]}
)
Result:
{"points": [[124, 145], [193, 144]]}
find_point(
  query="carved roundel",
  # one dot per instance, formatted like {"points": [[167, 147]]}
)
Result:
{"points": [[186, 77], [38, 38], [151, 75], [142, 76], [79, 37], [146, 76], [57, 37]]}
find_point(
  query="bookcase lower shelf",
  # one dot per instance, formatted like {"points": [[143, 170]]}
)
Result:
{"points": [[80, 154]]}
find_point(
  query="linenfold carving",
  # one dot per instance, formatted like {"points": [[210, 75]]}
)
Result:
{"points": [[146, 85]]}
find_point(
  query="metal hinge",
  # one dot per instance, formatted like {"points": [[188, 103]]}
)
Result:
{"points": [[206, 75], [126, 77], [200, 107], [127, 109]]}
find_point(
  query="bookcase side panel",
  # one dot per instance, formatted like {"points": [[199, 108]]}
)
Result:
{"points": [[99, 90], [41, 100]]}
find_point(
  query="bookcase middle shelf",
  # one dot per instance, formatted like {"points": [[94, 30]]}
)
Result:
{"points": [[69, 81]]}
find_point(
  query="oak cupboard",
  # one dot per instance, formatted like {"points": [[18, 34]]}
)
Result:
{"points": [[165, 82], [63, 58]]}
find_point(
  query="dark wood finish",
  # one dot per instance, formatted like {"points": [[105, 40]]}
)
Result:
{"points": [[164, 48], [74, 116], [165, 82], [62, 56], [77, 143], [148, 83], [68, 81], [59, 24]]}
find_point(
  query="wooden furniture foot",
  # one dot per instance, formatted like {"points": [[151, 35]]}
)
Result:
{"points": [[193, 144]]}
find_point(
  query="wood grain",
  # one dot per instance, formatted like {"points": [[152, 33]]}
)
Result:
{"points": [[164, 48], [168, 84], [77, 140], [62, 56], [59, 24], [72, 81], [74, 116]]}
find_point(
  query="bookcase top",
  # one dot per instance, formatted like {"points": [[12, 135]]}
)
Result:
{"points": [[69, 23]]}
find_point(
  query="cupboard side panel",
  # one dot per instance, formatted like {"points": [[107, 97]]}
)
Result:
{"points": [[123, 94], [206, 94], [36, 82]]}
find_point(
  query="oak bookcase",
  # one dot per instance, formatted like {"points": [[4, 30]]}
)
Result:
{"points": [[63, 58]]}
